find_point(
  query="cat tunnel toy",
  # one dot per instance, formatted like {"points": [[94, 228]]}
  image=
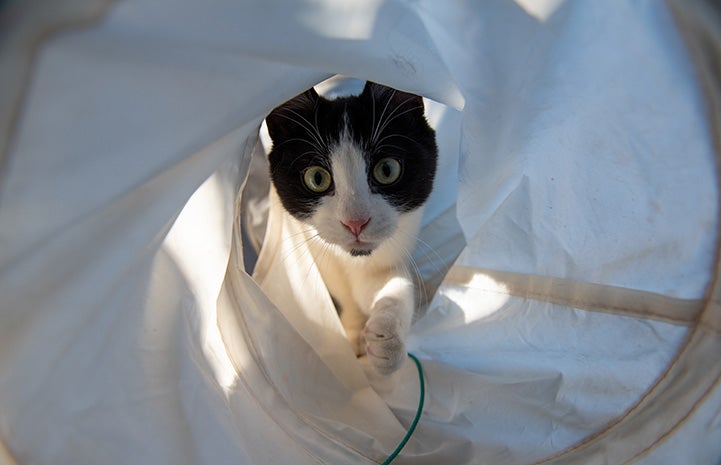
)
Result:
{"points": [[153, 310]]}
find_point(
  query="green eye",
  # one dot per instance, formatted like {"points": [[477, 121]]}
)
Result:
{"points": [[317, 179], [387, 171]]}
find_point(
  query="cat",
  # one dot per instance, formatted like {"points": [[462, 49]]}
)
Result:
{"points": [[357, 171]]}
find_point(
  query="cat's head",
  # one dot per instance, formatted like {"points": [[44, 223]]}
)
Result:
{"points": [[353, 166]]}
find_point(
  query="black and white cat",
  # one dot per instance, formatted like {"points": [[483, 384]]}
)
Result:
{"points": [[356, 172]]}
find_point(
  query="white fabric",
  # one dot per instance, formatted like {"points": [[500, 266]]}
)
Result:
{"points": [[574, 144]]}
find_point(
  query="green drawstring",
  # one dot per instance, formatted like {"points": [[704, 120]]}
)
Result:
{"points": [[408, 435]]}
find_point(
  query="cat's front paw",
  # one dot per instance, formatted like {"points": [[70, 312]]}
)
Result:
{"points": [[384, 345]]}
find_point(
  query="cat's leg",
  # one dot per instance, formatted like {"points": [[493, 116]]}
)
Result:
{"points": [[389, 320], [336, 280], [353, 322]]}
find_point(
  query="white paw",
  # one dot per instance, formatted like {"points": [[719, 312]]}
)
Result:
{"points": [[384, 343]]}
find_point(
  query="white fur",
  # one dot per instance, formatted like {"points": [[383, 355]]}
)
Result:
{"points": [[375, 292]]}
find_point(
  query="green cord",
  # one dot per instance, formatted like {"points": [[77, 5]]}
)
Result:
{"points": [[408, 435]]}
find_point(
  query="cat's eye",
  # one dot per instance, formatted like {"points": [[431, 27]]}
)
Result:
{"points": [[387, 171], [317, 179]]}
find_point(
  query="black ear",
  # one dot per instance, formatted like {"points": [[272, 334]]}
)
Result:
{"points": [[382, 95], [287, 118]]}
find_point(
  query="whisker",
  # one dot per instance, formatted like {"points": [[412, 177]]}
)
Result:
{"points": [[373, 113], [315, 119], [390, 146], [391, 117], [383, 124], [315, 133], [320, 259], [413, 272], [295, 247], [317, 260], [394, 135], [299, 233], [299, 139], [311, 130], [314, 147], [312, 262], [437, 265], [380, 119]]}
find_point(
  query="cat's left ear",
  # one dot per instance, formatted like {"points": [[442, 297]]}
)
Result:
{"points": [[286, 119], [381, 95]]}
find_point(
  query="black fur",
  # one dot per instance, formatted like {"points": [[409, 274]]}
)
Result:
{"points": [[305, 129]]}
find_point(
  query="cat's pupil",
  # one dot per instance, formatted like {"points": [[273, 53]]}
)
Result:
{"points": [[318, 178], [386, 170]]}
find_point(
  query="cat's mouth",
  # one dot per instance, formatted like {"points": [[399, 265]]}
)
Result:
{"points": [[360, 248], [360, 252]]}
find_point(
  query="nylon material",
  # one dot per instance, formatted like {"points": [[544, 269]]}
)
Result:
{"points": [[251, 30], [62, 267], [254, 205], [439, 437], [700, 28], [642, 427], [493, 123], [91, 347], [502, 244], [75, 385], [702, 428], [711, 317], [5, 458], [446, 122], [515, 323], [101, 383], [296, 287], [631, 218], [85, 72], [579, 382], [24, 27], [438, 247], [285, 357], [579, 295], [241, 301]]}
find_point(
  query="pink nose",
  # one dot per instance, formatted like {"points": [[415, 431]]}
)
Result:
{"points": [[356, 226]]}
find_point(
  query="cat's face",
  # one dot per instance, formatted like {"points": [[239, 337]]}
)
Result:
{"points": [[352, 167]]}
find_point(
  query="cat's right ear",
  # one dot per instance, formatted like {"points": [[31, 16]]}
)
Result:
{"points": [[288, 118]]}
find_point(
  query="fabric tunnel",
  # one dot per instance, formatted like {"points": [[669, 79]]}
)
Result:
{"points": [[156, 308]]}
